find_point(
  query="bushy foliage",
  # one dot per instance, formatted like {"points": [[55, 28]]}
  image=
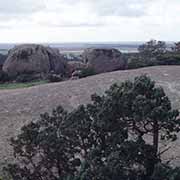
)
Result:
{"points": [[89, 71], [139, 62], [2, 59], [45, 149], [95, 141], [4, 77], [154, 53], [54, 77], [176, 47], [165, 172], [26, 77], [169, 58], [152, 48]]}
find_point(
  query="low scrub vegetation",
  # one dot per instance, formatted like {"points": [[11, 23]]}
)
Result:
{"points": [[54, 77], [154, 53], [89, 71], [16, 85], [26, 77], [94, 141], [4, 77]]}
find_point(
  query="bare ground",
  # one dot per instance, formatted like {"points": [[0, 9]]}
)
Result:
{"points": [[20, 106]]}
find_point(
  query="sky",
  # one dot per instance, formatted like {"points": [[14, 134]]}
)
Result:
{"points": [[57, 21]]}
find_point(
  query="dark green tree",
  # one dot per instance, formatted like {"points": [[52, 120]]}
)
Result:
{"points": [[104, 140], [44, 150], [146, 109], [143, 108], [152, 48], [176, 47]]}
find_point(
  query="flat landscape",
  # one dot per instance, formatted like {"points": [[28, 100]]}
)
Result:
{"points": [[19, 106]]}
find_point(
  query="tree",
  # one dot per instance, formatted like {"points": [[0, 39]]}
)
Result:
{"points": [[95, 141], [44, 150], [152, 48], [145, 108], [176, 48]]}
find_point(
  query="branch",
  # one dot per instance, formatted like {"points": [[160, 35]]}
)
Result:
{"points": [[165, 150]]}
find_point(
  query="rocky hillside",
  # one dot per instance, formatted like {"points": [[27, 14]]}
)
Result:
{"points": [[23, 105]]}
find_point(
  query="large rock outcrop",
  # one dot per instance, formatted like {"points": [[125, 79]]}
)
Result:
{"points": [[32, 58], [104, 60]]}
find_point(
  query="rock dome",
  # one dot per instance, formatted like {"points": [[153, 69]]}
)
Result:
{"points": [[32, 58], [104, 60]]}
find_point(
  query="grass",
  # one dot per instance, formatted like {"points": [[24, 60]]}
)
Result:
{"points": [[21, 85]]}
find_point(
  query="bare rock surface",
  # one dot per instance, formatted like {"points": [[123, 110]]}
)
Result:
{"points": [[20, 106], [33, 58], [104, 60]]}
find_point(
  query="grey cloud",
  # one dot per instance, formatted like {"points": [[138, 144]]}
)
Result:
{"points": [[70, 25], [23, 10], [100, 8], [129, 8], [20, 6]]}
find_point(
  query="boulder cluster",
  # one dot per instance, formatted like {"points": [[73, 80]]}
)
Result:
{"points": [[33, 58], [38, 59], [104, 60]]}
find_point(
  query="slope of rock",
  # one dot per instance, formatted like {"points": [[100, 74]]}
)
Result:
{"points": [[19, 106]]}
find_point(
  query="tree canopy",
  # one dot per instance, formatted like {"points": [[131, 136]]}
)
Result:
{"points": [[176, 47], [104, 140], [153, 48]]}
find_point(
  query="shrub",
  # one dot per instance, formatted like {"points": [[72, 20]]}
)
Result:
{"points": [[89, 71], [4, 77], [165, 172], [26, 77], [152, 48], [54, 77], [169, 58], [2, 59]]}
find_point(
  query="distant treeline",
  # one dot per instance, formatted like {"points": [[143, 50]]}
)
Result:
{"points": [[154, 53]]}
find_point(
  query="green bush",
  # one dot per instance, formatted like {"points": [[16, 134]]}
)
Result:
{"points": [[54, 78], [153, 53], [4, 77], [26, 77], [165, 59], [89, 71], [169, 59], [165, 172]]}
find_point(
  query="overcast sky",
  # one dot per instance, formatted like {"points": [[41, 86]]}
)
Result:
{"points": [[89, 20]]}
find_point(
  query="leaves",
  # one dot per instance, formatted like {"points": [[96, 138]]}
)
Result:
{"points": [[94, 141]]}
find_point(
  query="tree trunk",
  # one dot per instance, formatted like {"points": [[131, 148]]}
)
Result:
{"points": [[155, 136], [155, 132]]}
